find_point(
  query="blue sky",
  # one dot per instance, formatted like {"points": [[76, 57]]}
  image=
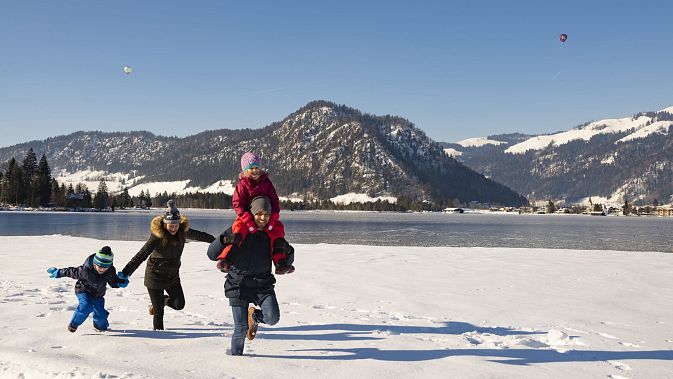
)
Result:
{"points": [[456, 69]]}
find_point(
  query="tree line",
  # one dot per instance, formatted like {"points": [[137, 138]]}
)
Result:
{"points": [[29, 183]]}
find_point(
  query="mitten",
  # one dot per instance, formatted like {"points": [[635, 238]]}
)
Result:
{"points": [[272, 221], [122, 283], [280, 248], [249, 222], [284, 268], [123, 279], [53, 272], [223, 265]]}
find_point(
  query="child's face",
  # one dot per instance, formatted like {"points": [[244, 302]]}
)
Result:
{"points": [[261, 219], [99, 269], [254, 172], [172, 228]]}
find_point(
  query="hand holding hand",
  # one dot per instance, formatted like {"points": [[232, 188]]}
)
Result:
{"points": [[123, 279], [53, 272]]}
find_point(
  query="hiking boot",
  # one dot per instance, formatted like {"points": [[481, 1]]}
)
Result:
{"points": [[72, 328], [252, 324], [98, 328]]}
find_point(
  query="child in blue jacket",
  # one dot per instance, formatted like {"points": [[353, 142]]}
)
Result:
{"points": [[92, 280]]}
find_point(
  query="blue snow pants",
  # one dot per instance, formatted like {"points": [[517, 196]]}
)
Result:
{"points": [[88, 304]]}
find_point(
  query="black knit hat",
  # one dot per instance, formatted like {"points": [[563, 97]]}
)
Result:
{"points": [[172, 215]]}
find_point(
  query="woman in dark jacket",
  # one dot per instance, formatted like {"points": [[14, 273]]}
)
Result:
{"points": [[162, 272], [249, 277]]}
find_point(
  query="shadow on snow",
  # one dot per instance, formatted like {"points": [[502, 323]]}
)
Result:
{"points": [[168, 334], [521, 357], [506, 356], [360, 331]]}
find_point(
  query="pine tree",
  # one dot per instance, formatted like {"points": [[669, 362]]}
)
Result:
{"points": [[57, 196], [2, 188], [44, 181], [14, 178], [101, 198], [141, 199], [551, 207], [87, 202], [125, 199], [148, 200], [30, 178]]}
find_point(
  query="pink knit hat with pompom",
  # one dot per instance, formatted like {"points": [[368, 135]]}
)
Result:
{"points": [[249, 160]]}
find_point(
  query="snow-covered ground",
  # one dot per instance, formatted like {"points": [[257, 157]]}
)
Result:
{"points": [[116, 182], [360, 198], [354, 312], [478, 142]]}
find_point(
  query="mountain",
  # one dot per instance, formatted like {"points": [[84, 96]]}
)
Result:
{"points": [[624, 158], [320, 151]]}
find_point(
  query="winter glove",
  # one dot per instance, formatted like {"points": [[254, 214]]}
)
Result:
{"points": [[281, 246], [53, 272], [123, 279], [223, 265], [284, 268], [272, 221], [229, 238], [249, 222], [285, 252]]}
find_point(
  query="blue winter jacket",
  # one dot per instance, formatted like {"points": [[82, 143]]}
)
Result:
{"points": [[89, 280]]}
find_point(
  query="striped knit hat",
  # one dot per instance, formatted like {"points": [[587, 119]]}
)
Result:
{"points": [[103, 257], [249, 160]]}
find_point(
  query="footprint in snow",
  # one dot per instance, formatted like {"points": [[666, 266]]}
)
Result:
{"points": [[620, 365]]}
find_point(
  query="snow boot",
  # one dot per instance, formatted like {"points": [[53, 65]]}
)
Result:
{"points": [[252, 324], [72, 328]]}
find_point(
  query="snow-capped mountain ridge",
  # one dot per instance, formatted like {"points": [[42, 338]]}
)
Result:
{"points": [[321, 151], [617, 159], [642, 126]]}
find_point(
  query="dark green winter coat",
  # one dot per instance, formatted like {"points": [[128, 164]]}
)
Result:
{"points": [[164, 251]]}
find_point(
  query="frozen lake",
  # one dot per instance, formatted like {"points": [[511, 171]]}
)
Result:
{"points": [[372, 228]]}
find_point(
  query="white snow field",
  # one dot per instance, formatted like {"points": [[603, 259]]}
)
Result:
{"points": [[353, 312]]}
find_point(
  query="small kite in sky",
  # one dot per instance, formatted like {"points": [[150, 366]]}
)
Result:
{"points": [[563, 37], [127, 70]]}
